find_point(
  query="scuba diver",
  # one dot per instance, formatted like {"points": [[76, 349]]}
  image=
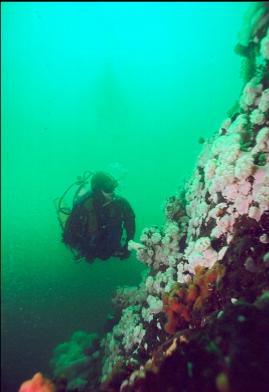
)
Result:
{"points": [[100, 223]]}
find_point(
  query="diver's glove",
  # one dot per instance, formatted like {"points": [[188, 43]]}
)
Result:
{"points": [[124, 253]]}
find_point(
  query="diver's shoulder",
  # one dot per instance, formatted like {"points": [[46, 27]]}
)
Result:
{"points": [[83, 198], [120, 198], [122, 201]]}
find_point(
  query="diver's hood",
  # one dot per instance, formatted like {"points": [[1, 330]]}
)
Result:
{"points": [[103, 182]]}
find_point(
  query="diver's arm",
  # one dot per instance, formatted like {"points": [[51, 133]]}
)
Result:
{"points": [[128, 220]]}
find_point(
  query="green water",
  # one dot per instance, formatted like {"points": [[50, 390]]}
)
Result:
{"points": [[84, 86]]}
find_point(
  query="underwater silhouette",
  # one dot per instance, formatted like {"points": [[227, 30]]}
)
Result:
{"points": [[101, 223]]}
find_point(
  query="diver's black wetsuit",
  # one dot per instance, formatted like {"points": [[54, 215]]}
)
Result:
{"points": [[95, 227]]}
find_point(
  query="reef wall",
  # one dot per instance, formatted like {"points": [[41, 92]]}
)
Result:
{"points": [[210, 262]]}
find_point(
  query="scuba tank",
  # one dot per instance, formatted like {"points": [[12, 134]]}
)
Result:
{"points": [[64, 212]]}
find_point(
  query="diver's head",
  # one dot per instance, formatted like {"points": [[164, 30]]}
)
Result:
{"points": [[103, 182]]}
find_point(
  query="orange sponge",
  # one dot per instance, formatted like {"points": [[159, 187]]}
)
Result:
{"points": [[37, 384]]}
